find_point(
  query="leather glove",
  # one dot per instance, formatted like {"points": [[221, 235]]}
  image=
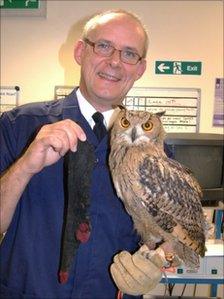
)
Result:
{"points": [[137, 274]]}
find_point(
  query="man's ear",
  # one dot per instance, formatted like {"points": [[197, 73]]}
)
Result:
{"points": [[78, 51], [141, 69]]}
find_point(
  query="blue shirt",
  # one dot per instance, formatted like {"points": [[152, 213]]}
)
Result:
{"points": [[30, 250]]}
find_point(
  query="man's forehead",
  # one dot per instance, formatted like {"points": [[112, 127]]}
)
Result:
{"points": [[119, 28], [113, 19], [110, 17]]}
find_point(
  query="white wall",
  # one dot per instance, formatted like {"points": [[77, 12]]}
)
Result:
{"points": [[37, 53]]}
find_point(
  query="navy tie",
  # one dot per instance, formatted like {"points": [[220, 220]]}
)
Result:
{"points": [[99, 128]]}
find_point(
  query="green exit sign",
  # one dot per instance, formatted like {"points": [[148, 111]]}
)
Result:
{"points": [[178, 67], [19, 4]]}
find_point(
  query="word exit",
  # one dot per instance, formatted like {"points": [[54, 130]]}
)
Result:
{"points": [[178, 68]]}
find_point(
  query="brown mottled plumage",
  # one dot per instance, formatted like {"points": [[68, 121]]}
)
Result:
{"points": [[159, 193]]}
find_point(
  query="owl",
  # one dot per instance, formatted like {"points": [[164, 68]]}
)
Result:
{"points": [[161, 195]]}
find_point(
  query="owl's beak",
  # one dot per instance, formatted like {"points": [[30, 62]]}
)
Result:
{"points": [[133, 134]]}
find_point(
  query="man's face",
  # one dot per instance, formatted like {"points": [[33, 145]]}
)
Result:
{"points": [[106, 80]]}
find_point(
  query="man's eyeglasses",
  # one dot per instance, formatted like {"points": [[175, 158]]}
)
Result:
{"points": [[105, 49]]}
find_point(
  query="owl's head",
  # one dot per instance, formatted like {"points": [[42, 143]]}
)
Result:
{"points": [[138, 127]]}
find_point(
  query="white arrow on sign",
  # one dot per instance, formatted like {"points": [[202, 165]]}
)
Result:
{"points": [[162, 67]]}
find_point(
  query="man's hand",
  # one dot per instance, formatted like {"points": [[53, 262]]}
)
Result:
{"points": [[135, 274], [51, 143]]}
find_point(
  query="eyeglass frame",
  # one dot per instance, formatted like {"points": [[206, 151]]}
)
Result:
{"points": [[93, 45]]}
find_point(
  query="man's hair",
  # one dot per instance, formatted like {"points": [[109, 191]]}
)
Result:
{"points": [[94, 21]]}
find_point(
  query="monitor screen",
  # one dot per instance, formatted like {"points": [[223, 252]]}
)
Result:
{"points": [[203, 155], [205, 162]]}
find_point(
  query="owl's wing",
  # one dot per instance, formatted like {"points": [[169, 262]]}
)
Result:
{"points": [[173, 199]]}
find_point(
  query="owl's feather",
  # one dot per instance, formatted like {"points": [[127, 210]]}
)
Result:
{"points": [[160, 194]]}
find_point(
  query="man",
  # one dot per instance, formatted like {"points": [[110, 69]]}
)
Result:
{"points": [[35, 138]]}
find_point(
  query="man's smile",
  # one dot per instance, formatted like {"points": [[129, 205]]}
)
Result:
{"points": [[109, 77]]}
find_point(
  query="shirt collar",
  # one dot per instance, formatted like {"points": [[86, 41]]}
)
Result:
{"points": [[88, 110]]}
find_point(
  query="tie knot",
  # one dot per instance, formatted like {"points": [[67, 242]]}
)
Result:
{"points": [[98, 117]]}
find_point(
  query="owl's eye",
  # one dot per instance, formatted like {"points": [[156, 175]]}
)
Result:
{"points": [[147, 126], [125, 123]]}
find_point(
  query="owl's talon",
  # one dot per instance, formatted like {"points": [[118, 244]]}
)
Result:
{"points": [[172, 260], [169, 256]]}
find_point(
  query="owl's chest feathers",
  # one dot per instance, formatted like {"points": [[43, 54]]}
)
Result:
{"points": [[138, 200], [125, 172]]}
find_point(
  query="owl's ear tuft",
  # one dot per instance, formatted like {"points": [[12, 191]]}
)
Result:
{"points": [[161, 113], [122, 107]]}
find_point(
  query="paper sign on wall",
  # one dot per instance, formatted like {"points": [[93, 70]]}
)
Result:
{"points": [[9, 97]]}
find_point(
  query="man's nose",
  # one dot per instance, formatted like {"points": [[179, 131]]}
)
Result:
{"points": [[115, 58]]}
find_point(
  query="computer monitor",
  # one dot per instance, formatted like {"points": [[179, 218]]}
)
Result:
{"points": [[203, 155]]}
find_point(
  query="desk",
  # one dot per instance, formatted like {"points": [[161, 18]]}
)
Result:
{"points": [[213, 282], [210, 272]]}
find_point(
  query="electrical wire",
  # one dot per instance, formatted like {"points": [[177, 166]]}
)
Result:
{"points": [[168, 286], [194, 292], [183, 290], [166, 283], [171, 286]]}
